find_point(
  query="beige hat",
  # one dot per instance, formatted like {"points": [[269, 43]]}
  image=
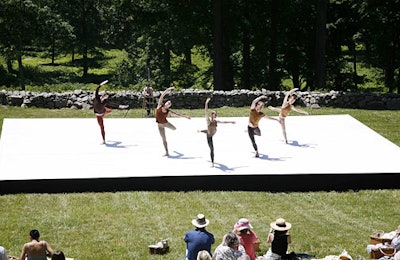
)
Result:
{"points": [[201, 221], [280, 224]]}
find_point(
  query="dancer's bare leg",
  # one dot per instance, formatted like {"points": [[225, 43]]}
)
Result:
{"points": [[274, 109], [101, 124], [283, 125], [108, 111], [161, 129]]}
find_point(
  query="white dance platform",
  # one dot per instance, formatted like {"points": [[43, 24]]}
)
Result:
{"points": [[70, 149]]}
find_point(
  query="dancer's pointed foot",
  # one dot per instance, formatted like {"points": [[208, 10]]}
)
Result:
{"points": [[257, 155]]}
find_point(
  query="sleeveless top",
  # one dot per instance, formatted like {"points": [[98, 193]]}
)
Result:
{"points": [[212, 127], [37, 257], [285, 110], [161, 117], [279, 245], [255, 117]]}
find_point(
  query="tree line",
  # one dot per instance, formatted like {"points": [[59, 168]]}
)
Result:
{"points": [[316, 45]]}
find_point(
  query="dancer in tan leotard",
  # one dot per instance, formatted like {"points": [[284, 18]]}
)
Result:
{"points": [[287, 106], [255, 116], [212, 128]]}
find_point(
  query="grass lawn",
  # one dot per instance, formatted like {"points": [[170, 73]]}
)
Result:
{"points": [[121, 225]]}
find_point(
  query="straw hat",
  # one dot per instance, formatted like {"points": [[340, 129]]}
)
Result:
{"points": [[201, 221], [280, 224]]}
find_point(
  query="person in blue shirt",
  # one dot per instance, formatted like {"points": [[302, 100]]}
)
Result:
{"points": [[199, 238]]}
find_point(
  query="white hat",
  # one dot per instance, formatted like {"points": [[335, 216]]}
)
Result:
{"points": [[201, 221], [243, 223], [280, 224]]}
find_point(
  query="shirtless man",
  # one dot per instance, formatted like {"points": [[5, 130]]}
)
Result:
{"points": [[35, 249]]}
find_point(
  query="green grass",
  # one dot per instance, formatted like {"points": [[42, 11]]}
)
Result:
{"points": [[121, 225]]}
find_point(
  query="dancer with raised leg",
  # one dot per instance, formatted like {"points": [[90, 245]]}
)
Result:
{"points": [[255, 116], [162, 112], [212, 128], [287, 106], [102, 107]]}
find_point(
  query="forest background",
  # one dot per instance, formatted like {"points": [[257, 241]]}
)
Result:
{"points": [[345, 45]]}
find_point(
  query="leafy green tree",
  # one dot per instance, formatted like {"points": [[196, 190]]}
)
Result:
{"points": [[57, 34], [381, 32], [18, 24]]}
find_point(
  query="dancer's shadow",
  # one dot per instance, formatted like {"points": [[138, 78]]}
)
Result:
{"points": [[268, 158], [116, 144], [296, 143], [225, 168], [178, 155]]}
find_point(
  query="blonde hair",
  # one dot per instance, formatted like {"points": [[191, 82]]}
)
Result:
{"points": [[203, 255]]}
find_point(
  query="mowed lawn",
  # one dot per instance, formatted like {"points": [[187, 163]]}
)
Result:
{"points": [[121, 225]]}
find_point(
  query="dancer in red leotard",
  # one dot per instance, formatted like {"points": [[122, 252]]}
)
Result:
{"points": [[102, 107]]}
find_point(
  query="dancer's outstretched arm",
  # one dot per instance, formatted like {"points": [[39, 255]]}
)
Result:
{"points": [[206, 108], [178, 115], [99, 86], [226, 122], [255, 101], [160, 100]]}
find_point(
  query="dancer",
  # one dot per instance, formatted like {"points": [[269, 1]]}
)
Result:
{"points": [[255, 116], [101, 107], [212, 128], [161, 117], [287, 106]]}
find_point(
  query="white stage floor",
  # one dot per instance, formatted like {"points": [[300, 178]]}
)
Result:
{"points": [[40, 149]]}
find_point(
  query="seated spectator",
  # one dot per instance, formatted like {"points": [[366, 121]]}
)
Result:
{"points": [[247, 237], [3, 253], [35, 249], [199, 238], [394, 236], [279, 238], [227, 249]]}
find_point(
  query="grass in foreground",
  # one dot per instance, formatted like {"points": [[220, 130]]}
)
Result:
{"points": [[121, 225]]}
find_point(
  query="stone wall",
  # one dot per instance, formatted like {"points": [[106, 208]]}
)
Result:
{"points": [[191, 99]]}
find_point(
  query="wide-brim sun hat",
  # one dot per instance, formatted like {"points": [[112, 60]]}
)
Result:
{"points": [[280, 224], [201, 221], [242, 224]]}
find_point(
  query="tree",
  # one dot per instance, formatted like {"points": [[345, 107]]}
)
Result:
{"points": [[320, 44], [18, 23]]}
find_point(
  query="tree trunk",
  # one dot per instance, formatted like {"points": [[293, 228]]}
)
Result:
{"points": [[273, 83], [246, 48], [217, 60], [21, 72], [320, 41], [53, 50], [85, 62], [389, 68]]}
